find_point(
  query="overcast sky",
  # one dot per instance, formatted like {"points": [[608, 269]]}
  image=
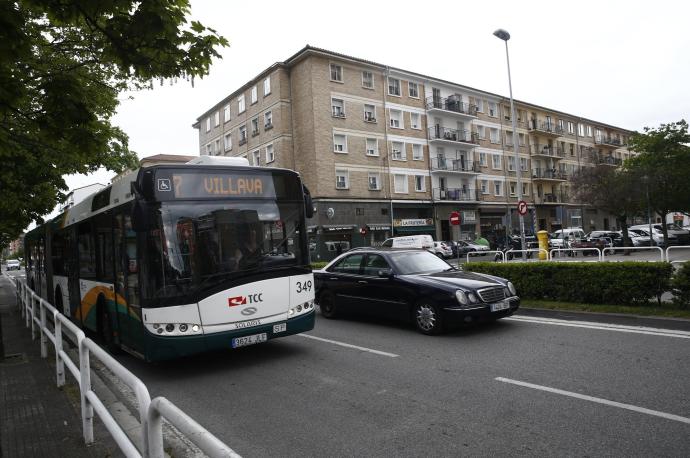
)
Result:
{"points": [[625, 63]]}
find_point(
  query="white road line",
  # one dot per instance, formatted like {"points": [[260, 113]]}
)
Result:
{"points": [[356, 347], [584, 397], [604, 326]]}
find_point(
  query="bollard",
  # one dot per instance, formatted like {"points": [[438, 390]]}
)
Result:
{"points": [[543, 238], [85, 387]]}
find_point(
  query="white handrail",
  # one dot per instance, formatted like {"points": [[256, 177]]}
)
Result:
{"points": [[530, 250], [558, 250], [635, 248], [480, 253], [668, 258]]}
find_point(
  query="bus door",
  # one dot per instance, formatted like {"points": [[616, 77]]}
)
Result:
{"points": [[103, 225]]}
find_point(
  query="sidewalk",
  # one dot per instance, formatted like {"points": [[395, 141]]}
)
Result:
{"points": [[36, 418]]}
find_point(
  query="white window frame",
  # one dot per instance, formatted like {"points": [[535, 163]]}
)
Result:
{"points": [[377, 177], [241, 106], [256, 158], [208, 124], [481, 132], [571, 128], [525, 189], [217, 143], [403, 154], [493, 162], [479, 102], [227, 140], [417, 152], [495, 139], [375, 150], [509, 138], [589, 131], [342, 173], [400, 120], [482, 159], [372, 80], [493, 108], [216, 119], [418, 123], [226, 113], [209, 149], [338, 70], [243, 129], [405, 181], [523, 164], [398, 87], [498, 188], [373, 119], [580, 129], [254, 94], [511, 163], [512, 188], [484, 186], [270, 153], [336, 144], [268, 119], [410, 85], [521, 139], [267, 86], [334, 106], [255, 126], [423, 183]]}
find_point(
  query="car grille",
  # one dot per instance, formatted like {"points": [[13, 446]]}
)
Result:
{"points": [[492, 294]]}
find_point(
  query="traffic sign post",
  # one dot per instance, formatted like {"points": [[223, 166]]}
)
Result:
{"points": [[454, 218], [522, 208]]}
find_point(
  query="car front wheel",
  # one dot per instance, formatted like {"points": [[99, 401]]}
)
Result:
{"points": [[427, 318], [327, 305]]}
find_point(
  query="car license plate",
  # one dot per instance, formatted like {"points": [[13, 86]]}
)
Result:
{"points": [[500, 306], [281, 327], [249, 340]]}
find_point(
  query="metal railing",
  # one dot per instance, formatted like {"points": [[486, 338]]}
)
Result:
{"points": [[482, 253], [548, 150], [510, 254], [453, 135], [675, 248], [608, 141], [601, 159], [549, 174], [545, 127], [630, 248], [150, 412], [455, 194], [451, 104], [572, 251], [452, 164]]}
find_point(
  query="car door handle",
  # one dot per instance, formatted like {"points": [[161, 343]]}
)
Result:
{"points": [[362, 281], [333, 278]]}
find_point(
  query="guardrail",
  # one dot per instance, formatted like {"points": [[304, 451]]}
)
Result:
{"points": [[571, 250], [150, 412], [481, 253], [636, 248], [668, 250], [530, 250]]}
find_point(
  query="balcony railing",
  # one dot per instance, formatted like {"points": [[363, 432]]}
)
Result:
{"points": [[549, 174], [453, 135], [454, 165], [451, 104], [553, 151], [456, 194], [545, 127], [608, 141], [550, 199], [607, 160]]}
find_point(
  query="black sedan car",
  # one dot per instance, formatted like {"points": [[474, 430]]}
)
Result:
{"points": [[411, 285]]}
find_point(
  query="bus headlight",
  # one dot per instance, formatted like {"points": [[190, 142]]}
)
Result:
{"points": [[183, 327], [195, 328], [169, 327]]}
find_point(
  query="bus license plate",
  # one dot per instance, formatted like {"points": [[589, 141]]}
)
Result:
{"points": [[281, 327], [500, 306], [249, 340]]}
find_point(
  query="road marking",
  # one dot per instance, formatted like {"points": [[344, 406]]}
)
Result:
{"points": [[584, 397], [604, 326], [356, 347]]}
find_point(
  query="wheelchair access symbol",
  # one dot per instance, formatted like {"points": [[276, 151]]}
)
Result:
{"points": [[164, 184]]}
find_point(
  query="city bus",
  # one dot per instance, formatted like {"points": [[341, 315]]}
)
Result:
{"points": [[173, 260]]}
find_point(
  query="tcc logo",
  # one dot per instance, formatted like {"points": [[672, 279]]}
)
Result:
{"points": [[243, 300]]}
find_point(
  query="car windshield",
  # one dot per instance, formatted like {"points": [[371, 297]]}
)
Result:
{"points": [[417, 262]]}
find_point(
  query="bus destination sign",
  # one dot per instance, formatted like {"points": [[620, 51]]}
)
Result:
{"points": [[213, 185]]}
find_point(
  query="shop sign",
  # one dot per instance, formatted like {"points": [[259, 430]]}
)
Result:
{"points": [[469, 216], [337, 228], [379, 227], [413, 222]]}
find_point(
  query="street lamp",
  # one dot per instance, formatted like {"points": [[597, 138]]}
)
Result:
{"points": [[505, 36], [645, 180]]}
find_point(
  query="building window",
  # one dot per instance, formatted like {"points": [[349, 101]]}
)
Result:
{"points": [[397, 119], [255, 127], [208, 124], [511, 163], [481, 132], [337, 108], [506, 112], [509, 138], [581, 130], [480, 105], [216, 119], [372, 147], [413, 89], [218, 150], [339, 143], [417, 153], [270, 154], [400, 184], [521, 139], [240, 104], [493, 111], [419, 183], [254, 95], [369, 113], [209, 149], [496, 162], [523, 164], [482, 159], [243, 135], [256, 158], [561, 125], [374, 182], [226, 113], [268, 120], [498, 191], [415, 120], [512, 189], [393, 86], [484, 186], [571, 127], [342, 179], [368, 80], [589, 131], [398, 151], [493, 135], [336, 73], [228, 141], [572, 149], [267, 86], [524, 189]]}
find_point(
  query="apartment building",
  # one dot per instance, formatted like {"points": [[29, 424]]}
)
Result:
{"points": [[385, 151]]}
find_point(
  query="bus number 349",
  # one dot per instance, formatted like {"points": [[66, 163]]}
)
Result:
{"points": [[303, 286]]}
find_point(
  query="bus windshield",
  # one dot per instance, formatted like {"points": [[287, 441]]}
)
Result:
{"points": [[195, 246]]}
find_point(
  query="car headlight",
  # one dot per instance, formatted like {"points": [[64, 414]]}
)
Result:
{"points": [[512, 289], [461, 297], [472, 298]]}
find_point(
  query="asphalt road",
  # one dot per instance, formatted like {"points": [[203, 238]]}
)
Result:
{"points": [[452, 395]]}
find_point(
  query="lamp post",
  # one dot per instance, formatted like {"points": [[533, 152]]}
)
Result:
{"points": [[505, 36], [645, 180]]}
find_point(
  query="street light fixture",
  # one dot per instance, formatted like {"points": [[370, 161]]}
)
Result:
{"points": [[645, 180], [505, 36]]}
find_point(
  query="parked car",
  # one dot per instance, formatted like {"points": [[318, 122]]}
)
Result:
{"points": [[410, 241], [412, 285], [442, 250], [467, 247], [657, 235], [639, 238], [682, 235], [557, 239], [13, 264]]}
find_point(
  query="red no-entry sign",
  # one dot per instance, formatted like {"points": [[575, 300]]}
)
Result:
{"points": [[455, 218], [522, 207]]}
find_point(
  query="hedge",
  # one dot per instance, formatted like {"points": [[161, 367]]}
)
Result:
{"points": [[681, 286], [585, 282]]}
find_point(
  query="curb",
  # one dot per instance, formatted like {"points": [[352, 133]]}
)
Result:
{"points": [[679, 324]]}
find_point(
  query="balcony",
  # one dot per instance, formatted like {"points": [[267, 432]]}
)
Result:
{"points": [[456, 194], [453, 136], [550, 199], [453, 105], [549, 129], [548, 175], [447, 164], [609, 142], [549, 151], [602, 159]]}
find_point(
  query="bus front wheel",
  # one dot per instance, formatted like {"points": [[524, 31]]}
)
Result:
{"points": [[105, 328]]}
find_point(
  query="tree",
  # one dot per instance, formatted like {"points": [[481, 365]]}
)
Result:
{"points": [[613, 190], [62, 66], [663, 162]]}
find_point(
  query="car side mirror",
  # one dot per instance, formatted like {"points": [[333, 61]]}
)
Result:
{"points": [[385, 273]]}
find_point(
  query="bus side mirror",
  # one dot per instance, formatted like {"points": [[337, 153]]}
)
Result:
{"points": [[308, 202]]}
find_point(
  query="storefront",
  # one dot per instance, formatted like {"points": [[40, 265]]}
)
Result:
{"points": [[466, 230], [414, 226], [376, 234]]}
